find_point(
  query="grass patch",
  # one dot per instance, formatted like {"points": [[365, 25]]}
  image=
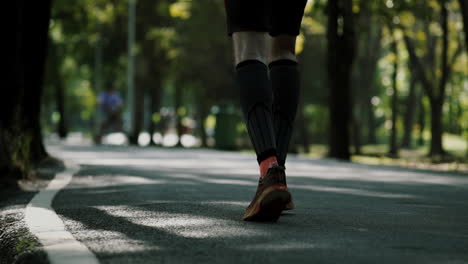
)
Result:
{"points": [[455, 145], [25, 243]]}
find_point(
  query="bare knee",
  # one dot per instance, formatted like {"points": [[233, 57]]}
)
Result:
{"points": [[283, 47], [250, 46]]}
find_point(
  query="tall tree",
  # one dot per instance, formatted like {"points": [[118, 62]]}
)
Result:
{"points": [[368, 37], [301, 124], [21, 145], [178, 97], [409, 116], [59, 89], [393, 150], [153, 37], [422, 121], [137, 112], [464, 11], [203, 64], [436, 92], [341, 46]]}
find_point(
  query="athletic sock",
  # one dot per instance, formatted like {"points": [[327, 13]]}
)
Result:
{"points": [[284, 76], [256, 104], [266, 164]]}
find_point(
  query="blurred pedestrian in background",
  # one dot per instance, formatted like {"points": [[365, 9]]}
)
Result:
{"points": [[109, 113]]}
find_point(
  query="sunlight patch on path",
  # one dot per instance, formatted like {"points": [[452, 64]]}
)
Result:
{"points": [[358, 192], [121, 243], [115, 180], [184, 225]]}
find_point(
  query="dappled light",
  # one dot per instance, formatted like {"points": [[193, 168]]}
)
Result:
{"points": [[235, 131], [351, 191], [228, 164], [158, 201], [184, 225], [122, 243]]}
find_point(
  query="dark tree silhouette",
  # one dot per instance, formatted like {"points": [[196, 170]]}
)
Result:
{"points": [[464, 11], [59, 89], [409, 116], [341, 46], [138, 111], [393, 151], [155, 93], [21, 145], [368, 38], [178, 97], [422, 122]]}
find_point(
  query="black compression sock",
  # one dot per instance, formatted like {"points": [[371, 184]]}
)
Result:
{"points": [[256, 103], [284, 76]]}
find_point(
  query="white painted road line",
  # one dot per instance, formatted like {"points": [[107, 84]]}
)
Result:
{"points": [[46, 225]]}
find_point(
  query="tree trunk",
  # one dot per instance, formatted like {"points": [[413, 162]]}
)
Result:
{"points": [[371, 132], [417, 70], [435, 93], [451, 120], [155, 95], [151, 125], [202, 115], [138, 112], [464, 11], [340, 59], [436, 129], [10, 171], [302, 125], [35, 52], [371, 66], [60, 101], [437, 100], [177, 107], [21, 145], [356, 124], [411, 103], [357, 97], [393, 136], [55, 64], [364, 69], [422, 122]]}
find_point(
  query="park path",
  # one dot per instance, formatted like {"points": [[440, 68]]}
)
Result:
{"points": [[159, 205]]}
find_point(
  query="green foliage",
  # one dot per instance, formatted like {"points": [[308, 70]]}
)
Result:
{"points": [[25, 243], [203, 61], [317, 119], [182, 47]]}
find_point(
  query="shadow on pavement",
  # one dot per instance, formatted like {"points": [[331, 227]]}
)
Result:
{"points": [[185, 215]]}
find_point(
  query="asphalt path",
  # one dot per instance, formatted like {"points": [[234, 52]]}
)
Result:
{"points": [[155, 205]]}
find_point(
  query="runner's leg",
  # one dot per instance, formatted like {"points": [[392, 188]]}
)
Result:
{"points": [[284, 74], [248, 23]]}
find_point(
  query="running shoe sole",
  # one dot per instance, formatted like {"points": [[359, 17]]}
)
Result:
{"points": [[269, 205]]}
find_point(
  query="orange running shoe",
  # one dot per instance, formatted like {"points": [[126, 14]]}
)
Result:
{"points": [[271, 197]]}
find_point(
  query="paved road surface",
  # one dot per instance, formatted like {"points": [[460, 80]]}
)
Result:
{"points": [[149, 205]]}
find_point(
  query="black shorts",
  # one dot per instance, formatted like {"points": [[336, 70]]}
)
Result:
{"points": [[274, 16]]}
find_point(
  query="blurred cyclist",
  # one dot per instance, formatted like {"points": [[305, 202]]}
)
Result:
{"points": [[110, 113]]}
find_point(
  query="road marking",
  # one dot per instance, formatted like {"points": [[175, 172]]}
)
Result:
{"points": [[46, 225]]}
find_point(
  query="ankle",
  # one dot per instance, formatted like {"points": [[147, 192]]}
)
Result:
{"points": [[266, 164]]}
